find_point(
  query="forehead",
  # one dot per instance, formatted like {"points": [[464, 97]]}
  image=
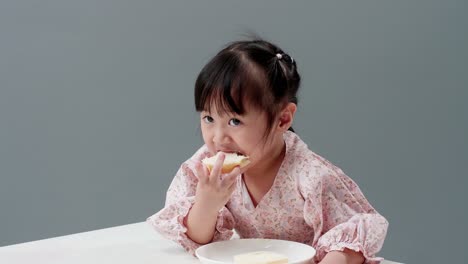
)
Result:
{"points": [[221, 107]]}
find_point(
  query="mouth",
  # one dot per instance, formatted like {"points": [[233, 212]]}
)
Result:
{"points": [[231, 151]]}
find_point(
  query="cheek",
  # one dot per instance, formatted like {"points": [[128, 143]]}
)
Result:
{"points": [[207, 139], [258, 153], [256, 156], [254, 147], [205, 135]]}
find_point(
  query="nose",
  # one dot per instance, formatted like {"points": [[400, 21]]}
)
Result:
{"points": [[220, 137]]}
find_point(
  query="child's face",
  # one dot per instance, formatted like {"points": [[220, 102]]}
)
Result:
{"points": [[230, 132]]}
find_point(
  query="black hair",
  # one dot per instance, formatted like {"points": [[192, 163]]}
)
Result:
{"points": [[252, 71]]}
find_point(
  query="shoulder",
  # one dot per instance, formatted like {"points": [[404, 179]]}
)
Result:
{"points": [[311, 171], [299, 156]]}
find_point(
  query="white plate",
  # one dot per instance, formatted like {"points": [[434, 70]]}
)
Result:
{"points": [[223, 252]]}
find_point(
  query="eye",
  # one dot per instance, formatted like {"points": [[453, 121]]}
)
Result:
{"points": [[208, 119], [234, 122]]}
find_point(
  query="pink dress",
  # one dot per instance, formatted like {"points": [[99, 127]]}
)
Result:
{"points": [[311, 201]]}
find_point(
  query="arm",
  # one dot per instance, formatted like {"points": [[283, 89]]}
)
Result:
{"points": [[346, 256], [173, 220], [346, 226], [211, 196], [201, 224]]}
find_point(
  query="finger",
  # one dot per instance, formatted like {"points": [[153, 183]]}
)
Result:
{"points": [[216, 171], [244, 168], [231, 177], [233, 187], [206, 170], [201, 172]]}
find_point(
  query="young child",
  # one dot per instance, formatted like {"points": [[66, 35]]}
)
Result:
{"points": [[246, 96]]}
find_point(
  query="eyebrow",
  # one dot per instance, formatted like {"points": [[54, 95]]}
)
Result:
{"points": [[228, 113]]}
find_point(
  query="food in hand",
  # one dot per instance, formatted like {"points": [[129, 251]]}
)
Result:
{"points": [[230, 162]]}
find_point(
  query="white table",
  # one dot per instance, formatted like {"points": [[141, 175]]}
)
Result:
{"points": [[134, 243]]}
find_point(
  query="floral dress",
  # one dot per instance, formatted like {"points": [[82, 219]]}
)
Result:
{"points": [[311, 201]]}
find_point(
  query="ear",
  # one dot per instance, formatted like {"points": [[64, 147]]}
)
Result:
{"points": [[286, 116]]}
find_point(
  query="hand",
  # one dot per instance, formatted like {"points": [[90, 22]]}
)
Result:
{"points": [[215, 189], [346, 256]]}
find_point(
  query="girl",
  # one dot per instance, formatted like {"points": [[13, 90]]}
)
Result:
{"points": [[246, 97]]}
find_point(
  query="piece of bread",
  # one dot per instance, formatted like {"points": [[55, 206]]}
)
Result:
{"points": [[230, 162], [260, 257]]}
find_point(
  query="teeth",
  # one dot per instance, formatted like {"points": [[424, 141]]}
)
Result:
{"points": [[236, 152]]}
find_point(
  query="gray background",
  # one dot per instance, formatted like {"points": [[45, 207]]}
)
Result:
{"points": [[96, 108]]}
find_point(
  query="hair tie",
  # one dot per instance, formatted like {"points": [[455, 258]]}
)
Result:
{"points": [[279, 56]]}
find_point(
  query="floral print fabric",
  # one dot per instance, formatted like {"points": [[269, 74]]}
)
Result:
{"points": [[311, 201]]}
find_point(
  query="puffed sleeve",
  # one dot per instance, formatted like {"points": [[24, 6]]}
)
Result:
{"points": [[341, 216], [170, 221]]}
